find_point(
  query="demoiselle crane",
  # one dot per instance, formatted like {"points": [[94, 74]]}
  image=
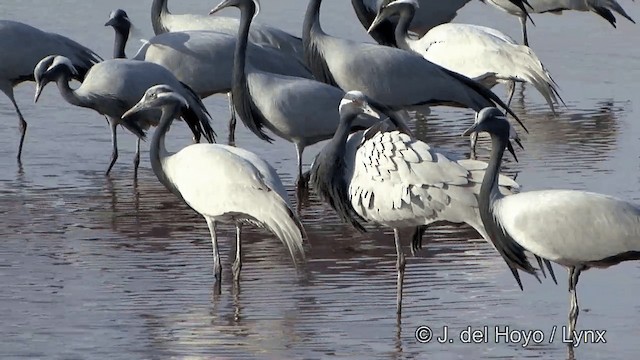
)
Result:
{"points": [[112, 87], [600, 7], [299, 110], [224, 184], [430, 14], [164, 21], [576, 229], [386, 176], [21, 47], [204, 59], [398, 79], [480, 53]]}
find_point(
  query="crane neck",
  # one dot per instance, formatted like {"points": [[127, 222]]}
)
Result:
{"points": [[383, 33], [247, 12], [158, 152], [70, 95], [489, 191], [159, 11], [401, 32], [120, 43], [311, 21], [339, 139]]}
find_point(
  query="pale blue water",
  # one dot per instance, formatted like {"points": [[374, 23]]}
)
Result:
{"points": [[95, 267]]}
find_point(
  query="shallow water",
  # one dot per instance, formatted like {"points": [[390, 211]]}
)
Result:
{"points": [[95, 267]]}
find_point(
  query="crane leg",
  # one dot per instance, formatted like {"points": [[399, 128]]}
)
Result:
{"points": [[523, 23], [136, 159], [232, 122], [237, 263], [301, 181], [400, 265], [114, 144], [217, 267], [574, 309], [23, 126], [511, 89], [474, 141]]}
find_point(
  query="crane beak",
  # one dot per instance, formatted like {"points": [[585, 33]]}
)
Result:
{"points": [[110, 22], [135, 109], [39, 88], [375, 23], [222, 5], [367, 109], [471, 130]]}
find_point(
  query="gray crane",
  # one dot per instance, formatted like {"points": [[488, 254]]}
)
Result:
{"points": [[384, 175], [22, 46], [164, 21], [298, 110], [204, 59], [576, 229], [600, 7], [478, 52], [224, 184], [396, 78], [430, 14], [112, 87]]}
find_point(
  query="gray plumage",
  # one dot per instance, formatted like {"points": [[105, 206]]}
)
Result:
{"points": [[298, 110], [576, 229], [22, 46], [164, 21], [386, 176], [224, 184], [114, 86], [204, 59], [393, 77], [600, 7]]}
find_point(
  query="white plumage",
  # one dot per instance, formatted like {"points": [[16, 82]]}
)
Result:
{"points": [[478, 52], [223, 183]]}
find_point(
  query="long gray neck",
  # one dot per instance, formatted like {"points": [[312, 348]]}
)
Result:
{"points": [[489, 191], [120, 43], [158, 152], [338, 142], [67, 93], [402, 29], [311, 20], [159, 11], [239, 73]]}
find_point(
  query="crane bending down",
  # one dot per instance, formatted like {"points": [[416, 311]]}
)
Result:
{"points": [[224, 184], [393, 77], [299, 110], [430, 14], [600, 7], [204, 59], [112, 87], [23, 46], [576, 229], [480, 53], [388, 177]]}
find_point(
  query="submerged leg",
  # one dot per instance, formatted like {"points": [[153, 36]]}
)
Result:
{"points": [[217, 268], [232, 121], [523, 23], [574, 309], [136, 159], [113, 124], [22, 123], [301, 181], [400, 265], [237, 263]]}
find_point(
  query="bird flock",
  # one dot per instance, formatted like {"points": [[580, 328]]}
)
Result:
{"points": [[356, 97]]}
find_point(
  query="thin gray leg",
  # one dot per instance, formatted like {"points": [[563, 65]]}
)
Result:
{"points": [[474, 141], [237, 263], [217, 267], [301, 183], [523, 23], [114, 143], [400, 265], [136, 159], [232, 121], [22, 123], [574, 309]]}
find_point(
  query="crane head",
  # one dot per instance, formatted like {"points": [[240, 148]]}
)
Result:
{"points": [[119, 19], [239, 4], [390, 9], [158, 96], [354, 103], [494, 122], [49, 69]]}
